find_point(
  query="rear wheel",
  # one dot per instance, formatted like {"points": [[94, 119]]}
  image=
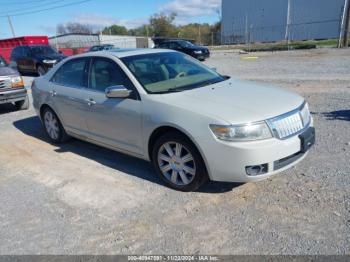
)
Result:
{"points": [[22, 105], [53, 127], [178, 162]]}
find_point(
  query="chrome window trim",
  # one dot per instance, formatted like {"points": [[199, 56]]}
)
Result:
{"points": [[270, 123]]}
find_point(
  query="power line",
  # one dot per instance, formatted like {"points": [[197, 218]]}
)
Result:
{"points": [[45, 9], [31, 7], [22, 3]]}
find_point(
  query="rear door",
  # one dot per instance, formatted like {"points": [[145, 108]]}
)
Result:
{"points": [[69, 94]]}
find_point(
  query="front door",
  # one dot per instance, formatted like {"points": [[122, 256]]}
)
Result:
{"points": [[113, 121], [27, 62]]}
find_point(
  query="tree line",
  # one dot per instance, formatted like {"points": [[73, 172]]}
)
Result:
{"points": [[159, 25]]}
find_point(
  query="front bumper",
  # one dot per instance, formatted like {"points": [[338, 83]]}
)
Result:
{"points": [[12, 95], [202, 56], [228, 161]]}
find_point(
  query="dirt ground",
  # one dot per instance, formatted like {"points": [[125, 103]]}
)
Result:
{"points": [[82, 199]]}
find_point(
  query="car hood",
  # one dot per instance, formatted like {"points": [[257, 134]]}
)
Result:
{"points": [[236, 102], [7, 71]]}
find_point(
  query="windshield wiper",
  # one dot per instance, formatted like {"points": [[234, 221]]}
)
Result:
{"points": [[189, 87], [208, 83], [174, 90]]}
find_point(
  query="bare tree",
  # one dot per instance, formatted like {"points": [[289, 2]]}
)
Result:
{"points": [[73, 28]]}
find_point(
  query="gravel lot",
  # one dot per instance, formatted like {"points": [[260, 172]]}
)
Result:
{"points": [[82, 199]]}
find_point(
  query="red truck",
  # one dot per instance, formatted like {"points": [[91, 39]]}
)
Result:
{"points": [[6, 45]]}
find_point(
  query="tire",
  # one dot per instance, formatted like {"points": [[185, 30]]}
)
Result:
{"points": [[41, 70], [22, 105], [53, 127], [185, 171]]}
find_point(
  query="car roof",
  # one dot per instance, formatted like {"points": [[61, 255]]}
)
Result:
{"points": [[126, 52]]}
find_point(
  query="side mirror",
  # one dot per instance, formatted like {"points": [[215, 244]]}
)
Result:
{"points": [[118, 92], [214, 69]]}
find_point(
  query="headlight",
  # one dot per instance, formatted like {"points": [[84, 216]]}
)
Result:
{"points": [[50, 61], [249, 132], [198, 52], [305, 115], [17, 81]]}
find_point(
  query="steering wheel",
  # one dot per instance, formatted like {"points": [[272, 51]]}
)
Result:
{"points": [[181, 74]]}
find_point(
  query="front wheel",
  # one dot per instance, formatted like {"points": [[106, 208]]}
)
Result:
{"points": [[53, 127], [178, 163]]}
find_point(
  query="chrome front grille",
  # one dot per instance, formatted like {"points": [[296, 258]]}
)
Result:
{"points": [[290, 124], [5, 83]]}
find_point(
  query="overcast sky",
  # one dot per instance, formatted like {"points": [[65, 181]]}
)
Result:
{"points": [[98, 13]]}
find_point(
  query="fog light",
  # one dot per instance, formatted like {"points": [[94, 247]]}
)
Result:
{"points": [[257, 170]]}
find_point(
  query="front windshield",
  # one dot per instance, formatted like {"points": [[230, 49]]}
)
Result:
{"points": [[2, 62], [186, 44], [43, 50], [170, 72]]}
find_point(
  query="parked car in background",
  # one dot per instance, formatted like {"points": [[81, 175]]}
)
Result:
{"points": [[199, 52], [35, 58], [100, 48], [192, 123], [12, 88]]}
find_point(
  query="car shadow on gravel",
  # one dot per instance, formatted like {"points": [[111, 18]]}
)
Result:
{"points": [[118, 161], [338, 115], [7, 108]]}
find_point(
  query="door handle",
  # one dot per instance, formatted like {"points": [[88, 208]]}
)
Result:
{"points": [[90, 102], [53, 93]]}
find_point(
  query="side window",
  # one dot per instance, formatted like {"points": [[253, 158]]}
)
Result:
{"points": [[106, 73], [174, 45], [71, 73]]}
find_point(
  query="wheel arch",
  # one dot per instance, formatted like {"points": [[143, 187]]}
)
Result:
{"points": [[161, 130], [43, 107], [46, 105]]}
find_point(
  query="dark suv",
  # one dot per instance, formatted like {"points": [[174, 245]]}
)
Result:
{"points": [[100, 48], [196, 51], [34, 58]]}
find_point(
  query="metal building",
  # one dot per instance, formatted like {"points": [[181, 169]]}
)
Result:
{"points": [[275, 20], [84, 40]]}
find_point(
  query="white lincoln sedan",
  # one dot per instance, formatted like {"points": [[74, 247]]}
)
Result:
{"points": [[192, 123]]}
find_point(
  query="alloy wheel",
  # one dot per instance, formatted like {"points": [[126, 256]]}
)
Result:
{"points": [[176, 163], [51, 125]]}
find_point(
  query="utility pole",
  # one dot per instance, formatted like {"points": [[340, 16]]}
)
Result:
{"points": [[11, 26], [347, 28], [246, 28], [287, 36], [344, 29], [199, 34]]}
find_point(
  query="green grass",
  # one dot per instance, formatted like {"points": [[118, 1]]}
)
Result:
{"points": [[282, 46]]}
